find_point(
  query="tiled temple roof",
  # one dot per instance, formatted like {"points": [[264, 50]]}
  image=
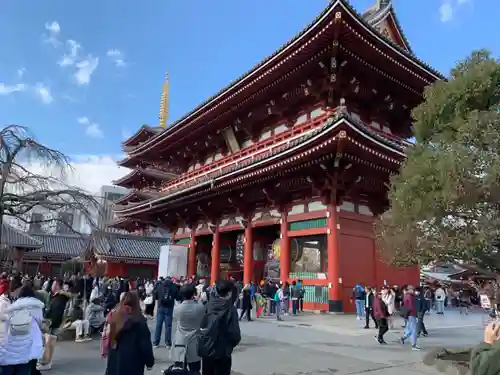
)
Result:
{"points": [[14, 237], [118, 245], [62, 245]]}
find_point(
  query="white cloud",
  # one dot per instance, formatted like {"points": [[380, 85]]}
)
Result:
{"points": [[446, 12], [9, 89], [53, 30], [53, 27], [92, 129], [118, 57], [449, 8], [85, 69], [89, 172], [43, 93], [20, 72], [71, 56]]}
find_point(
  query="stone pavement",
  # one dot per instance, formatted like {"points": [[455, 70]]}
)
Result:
{"points": [[307, 345]]}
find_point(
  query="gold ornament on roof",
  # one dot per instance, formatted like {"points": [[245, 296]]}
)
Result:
{"points": [[164, 104]]}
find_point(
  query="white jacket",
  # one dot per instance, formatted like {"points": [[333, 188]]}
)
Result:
{"points": [[4, 305], [15, 350], [149, 289], [440, 294], [389, 302], [95, 293]]}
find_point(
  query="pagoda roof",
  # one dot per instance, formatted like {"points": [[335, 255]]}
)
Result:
{"points": [[290, 149], [143, 133], [153, 174], [381, 11], [137, 194], [373, 17], [111, 246]]}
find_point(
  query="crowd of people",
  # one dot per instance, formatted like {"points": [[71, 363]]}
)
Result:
{"points": [[381, 307], [34, 312]]}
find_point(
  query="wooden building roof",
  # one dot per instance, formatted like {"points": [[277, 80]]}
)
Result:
{"points": [[13, 237], [147, 175], [126, 247], [144, 133], [305, 146], [61, 246], [373, 26]]}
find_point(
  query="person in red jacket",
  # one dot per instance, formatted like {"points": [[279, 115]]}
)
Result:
{"points": [[381, 314], [409, 311]]}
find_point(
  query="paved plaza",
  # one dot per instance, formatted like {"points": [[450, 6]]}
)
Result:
{"points": [[310, 344]]}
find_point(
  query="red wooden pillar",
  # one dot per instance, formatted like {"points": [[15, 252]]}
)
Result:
{"points": [[334, 295], [191, 269], [248, 254], [284, 247], [215, 268]]}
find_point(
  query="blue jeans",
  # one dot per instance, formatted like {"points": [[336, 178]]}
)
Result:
{"points": [[360, 306], [22, 369], [439, 307], [411, 330], [164, 315], [295, 306]]}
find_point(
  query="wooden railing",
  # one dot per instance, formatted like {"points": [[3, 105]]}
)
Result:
{"points": [[267, 145], [249, 152]]}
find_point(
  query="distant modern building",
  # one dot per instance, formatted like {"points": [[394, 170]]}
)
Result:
{"points": [[109, 194], [35, 226]]}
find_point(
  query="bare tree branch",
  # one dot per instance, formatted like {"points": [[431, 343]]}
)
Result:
{"points": [[33, 176]]}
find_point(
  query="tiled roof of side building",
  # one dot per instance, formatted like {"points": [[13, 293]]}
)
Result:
{"points": [[14, 237], [65, 245], [118, 245]]}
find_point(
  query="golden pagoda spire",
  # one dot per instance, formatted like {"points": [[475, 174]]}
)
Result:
{"points": [[164, 101]]}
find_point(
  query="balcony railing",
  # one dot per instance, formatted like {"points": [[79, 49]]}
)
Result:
{"points": [[276, 141], [249, 152]]}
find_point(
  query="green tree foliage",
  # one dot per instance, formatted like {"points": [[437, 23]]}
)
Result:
{"points": [[445, 203]]}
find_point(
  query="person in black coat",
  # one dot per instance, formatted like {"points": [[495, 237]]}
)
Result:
{"points": [[110, 300], [130, 347], [57, 307], [246, 303], [421, 306], [369, 307]]}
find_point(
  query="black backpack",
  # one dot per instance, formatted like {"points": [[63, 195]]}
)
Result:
{"points": [[166, 295], [210, 344]]}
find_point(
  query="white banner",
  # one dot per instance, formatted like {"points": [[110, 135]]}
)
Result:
{"points": [[173, 261]]}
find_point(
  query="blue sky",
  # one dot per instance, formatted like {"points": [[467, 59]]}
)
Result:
{"points": [[84, 75]]}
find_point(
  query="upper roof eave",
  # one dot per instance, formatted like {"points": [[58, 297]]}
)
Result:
{"points": [[256, 70], [139, 194], [374, 17], [126, 178], [150, 131], [144, 171], [331, 123]]}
